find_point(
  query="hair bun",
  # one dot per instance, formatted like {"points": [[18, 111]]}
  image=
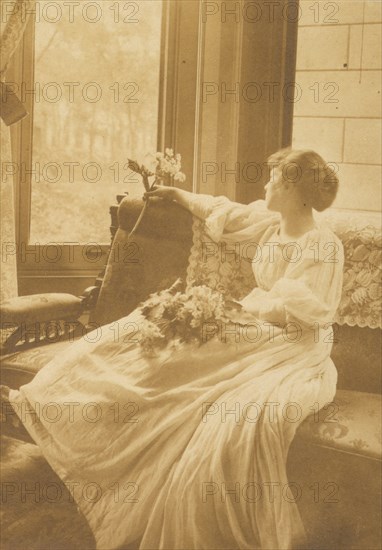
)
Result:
{"points": [[326, 189]]}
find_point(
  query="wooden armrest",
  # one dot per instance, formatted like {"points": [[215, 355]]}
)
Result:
{"points": [[89, 297]]}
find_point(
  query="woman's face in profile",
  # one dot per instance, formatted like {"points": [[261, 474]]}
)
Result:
{"points": [[274, 190]]}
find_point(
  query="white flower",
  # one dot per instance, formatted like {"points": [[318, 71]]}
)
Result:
{"points": [[167, 164], [150, 163], [179, 176]]}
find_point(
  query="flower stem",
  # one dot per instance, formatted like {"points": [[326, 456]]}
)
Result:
{"points": [[148, 188]]}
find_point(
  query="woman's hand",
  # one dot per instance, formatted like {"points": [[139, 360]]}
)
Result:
{"points": [[232, 305], [162, 191], [167, 193], [236, 313], [240, 316]]}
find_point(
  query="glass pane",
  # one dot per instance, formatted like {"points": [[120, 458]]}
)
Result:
{"points": [[96, 105]]}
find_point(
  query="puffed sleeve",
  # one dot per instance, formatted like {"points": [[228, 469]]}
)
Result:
{"points": [[226, 220], [310, 290]]}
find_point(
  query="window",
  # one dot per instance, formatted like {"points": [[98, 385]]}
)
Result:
{"points": [[79, 74], [95, 105]]}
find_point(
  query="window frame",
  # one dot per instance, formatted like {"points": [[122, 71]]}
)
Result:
{"points": [[32, 264]]}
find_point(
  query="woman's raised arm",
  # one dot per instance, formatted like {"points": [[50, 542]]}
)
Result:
{"points": [[224, 219], [200, 205]]}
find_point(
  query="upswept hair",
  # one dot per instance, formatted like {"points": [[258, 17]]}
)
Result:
{"points": [[316, 180]]}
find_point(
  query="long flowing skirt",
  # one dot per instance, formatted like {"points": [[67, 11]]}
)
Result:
{"points": [[185, 449]]}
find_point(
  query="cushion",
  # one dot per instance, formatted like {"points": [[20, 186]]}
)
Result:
{"points": [[40, 308], [351, 424]]}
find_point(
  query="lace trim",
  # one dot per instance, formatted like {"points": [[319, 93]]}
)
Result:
{"points": [[232, 277]]}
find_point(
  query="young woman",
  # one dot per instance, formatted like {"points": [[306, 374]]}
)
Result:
{"points": [[187, 449]]}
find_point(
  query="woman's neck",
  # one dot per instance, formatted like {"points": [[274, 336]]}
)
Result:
{"points": [[295, 223]]}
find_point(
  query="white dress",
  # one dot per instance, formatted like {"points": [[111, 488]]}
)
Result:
{"points": [[187, 449]]}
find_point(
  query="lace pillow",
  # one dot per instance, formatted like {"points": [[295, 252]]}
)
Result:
{"points": [[362, 292]]}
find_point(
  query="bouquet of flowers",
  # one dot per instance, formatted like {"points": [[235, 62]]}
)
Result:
{"points": [[181, 316], [165, 167]]}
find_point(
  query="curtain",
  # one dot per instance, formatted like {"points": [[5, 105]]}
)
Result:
{"points": [[14, 18]]}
